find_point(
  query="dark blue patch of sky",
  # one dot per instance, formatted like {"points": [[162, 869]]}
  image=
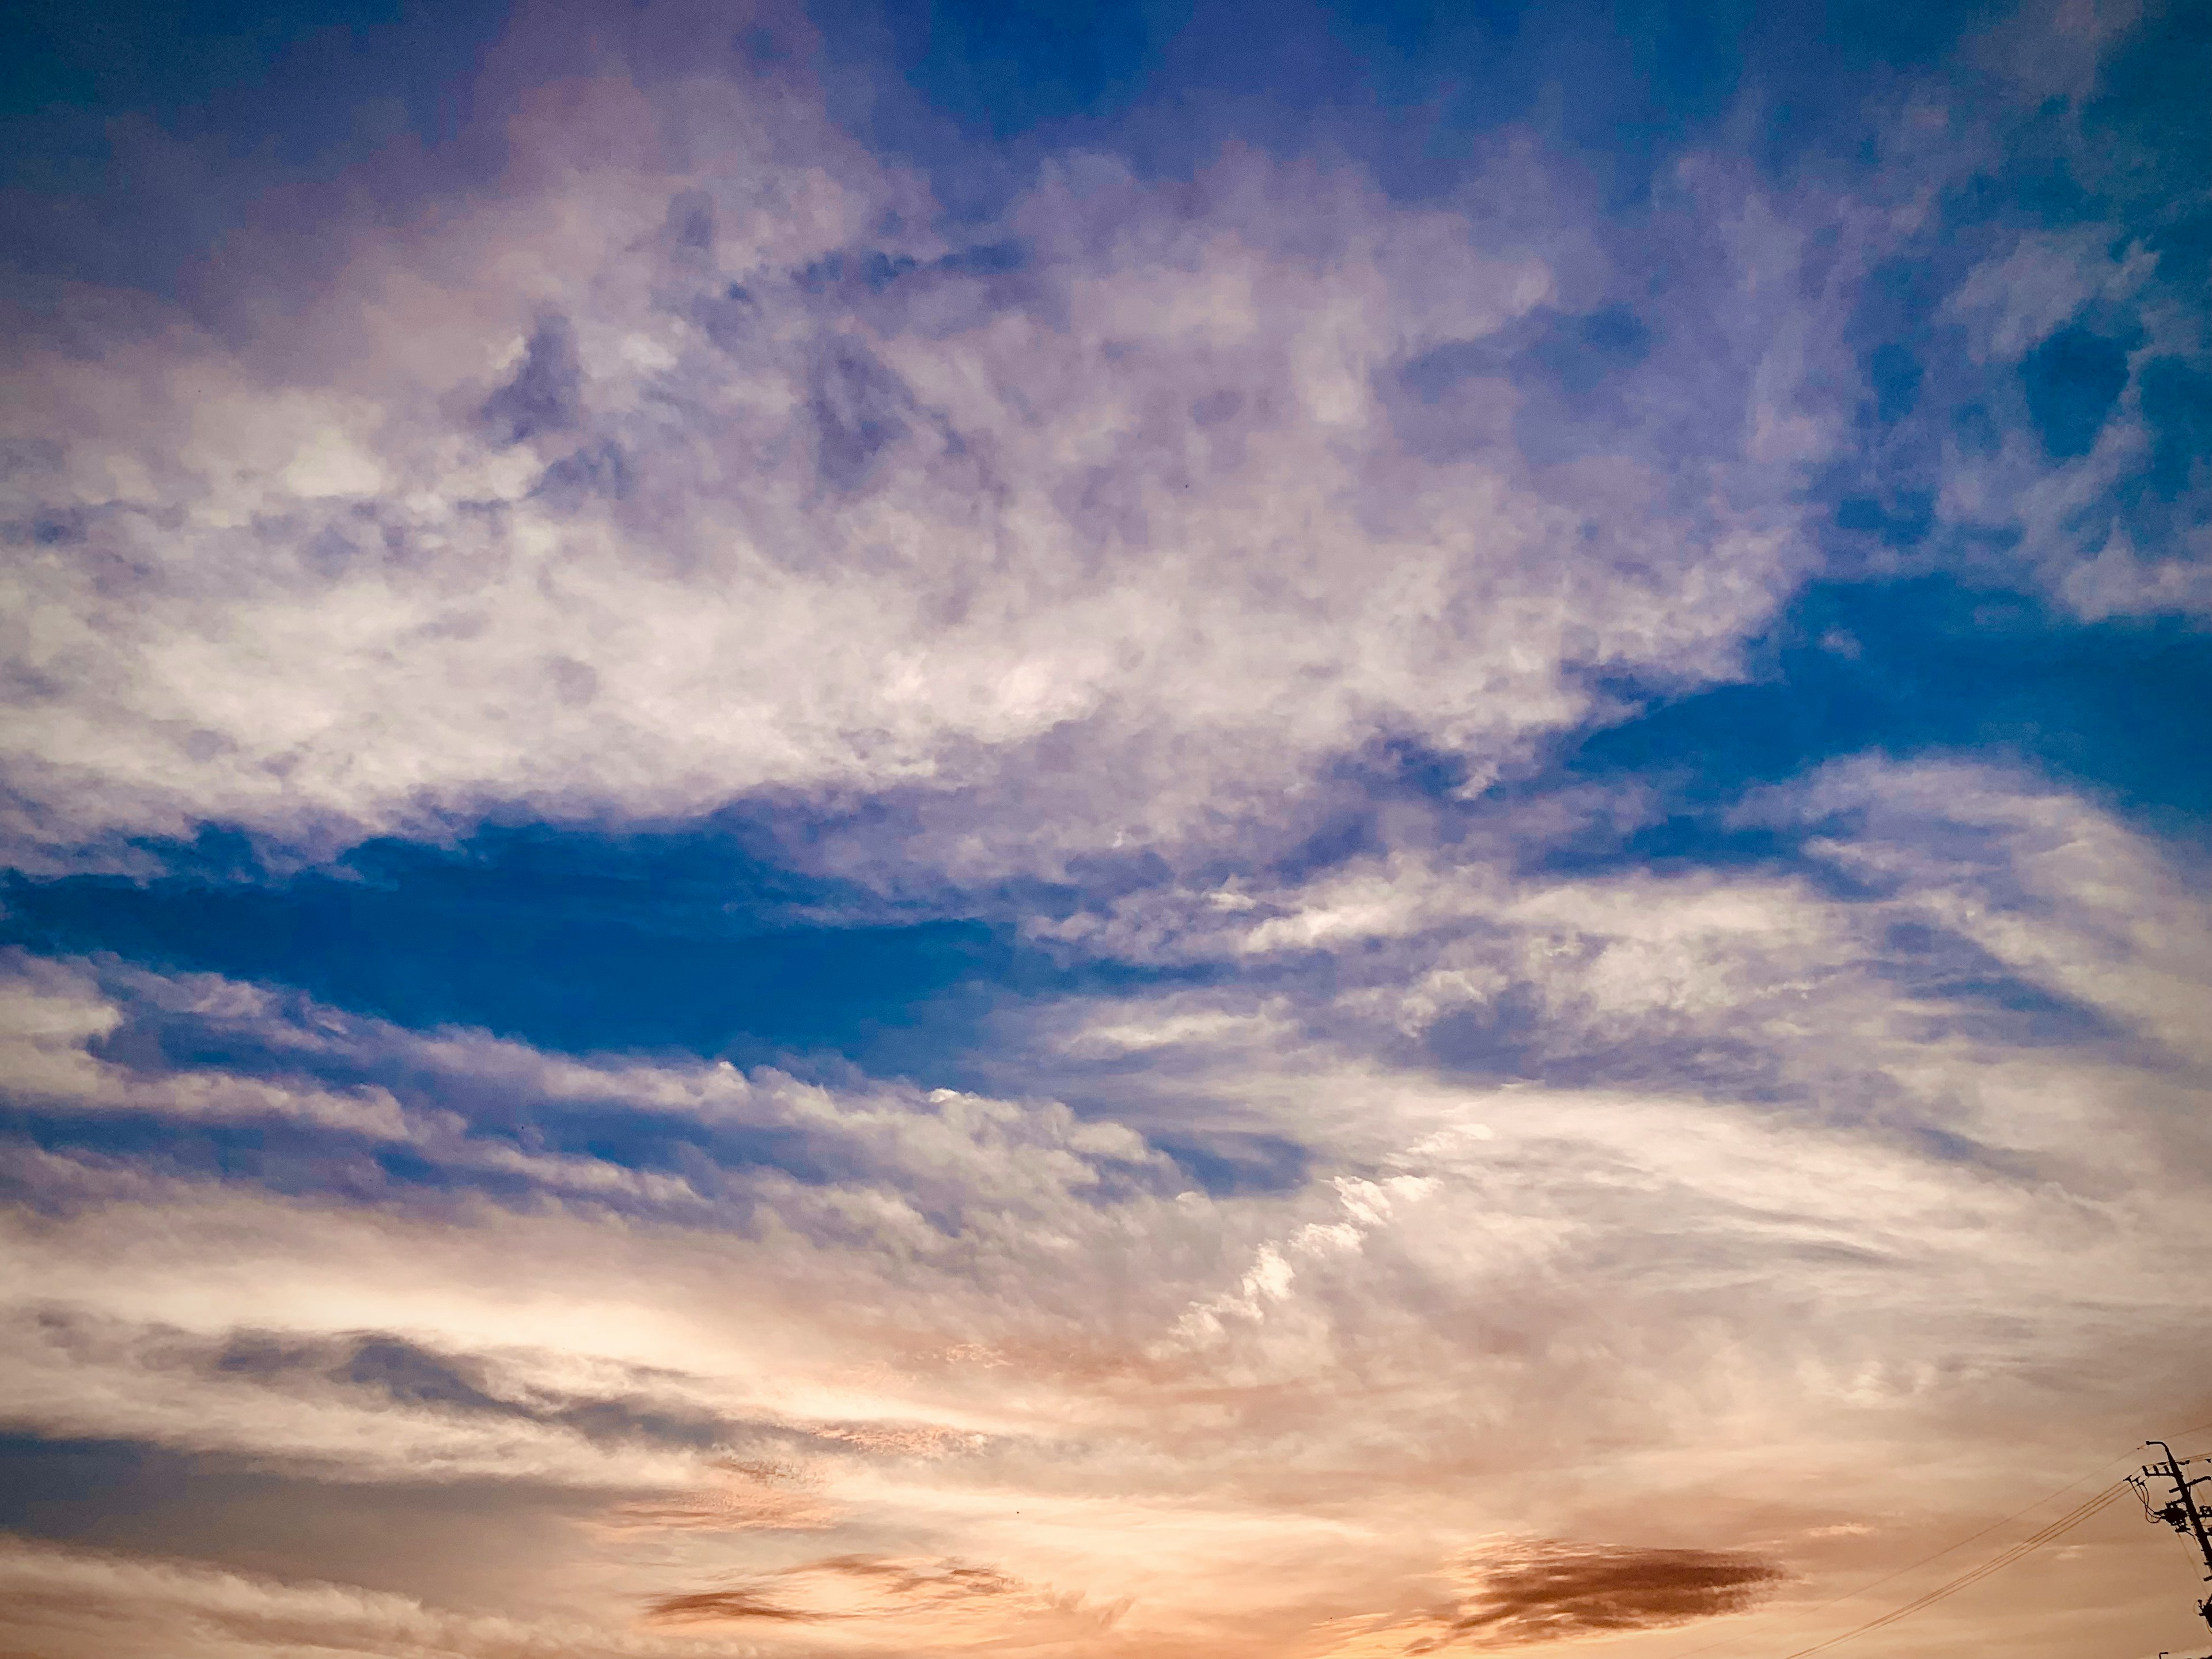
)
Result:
{"points": [[135, 135], [978, 90], [1923, 667], [572, 939], [568, 940]]}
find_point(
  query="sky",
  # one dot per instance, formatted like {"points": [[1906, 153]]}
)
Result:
{"points": [[1102, 831]]}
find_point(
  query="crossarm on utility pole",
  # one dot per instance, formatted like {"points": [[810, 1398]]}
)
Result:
{"points": [[2184, 1515]]}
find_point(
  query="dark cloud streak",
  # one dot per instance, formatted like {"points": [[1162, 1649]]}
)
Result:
{"points": [[1555, 1590]]}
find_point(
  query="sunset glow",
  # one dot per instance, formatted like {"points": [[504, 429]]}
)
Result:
{"points": [[1111, 832]]}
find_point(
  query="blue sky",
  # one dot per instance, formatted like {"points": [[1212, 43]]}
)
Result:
{"points": [[1112, 830]]}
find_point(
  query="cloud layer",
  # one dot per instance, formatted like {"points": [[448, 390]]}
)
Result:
{"points": [[1058, 1359], [1133, 517], [1352, 1104]]}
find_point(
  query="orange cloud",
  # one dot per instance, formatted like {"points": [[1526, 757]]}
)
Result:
{"points": [[841, 1587], [752, 1496], [1522, 1591], [1552, 1589]]}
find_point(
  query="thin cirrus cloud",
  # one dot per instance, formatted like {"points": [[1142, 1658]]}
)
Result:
{"points": [[1126, 837]]}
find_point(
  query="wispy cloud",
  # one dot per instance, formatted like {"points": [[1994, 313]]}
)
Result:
{"points": [[1036, 1341], [1129, 519], [1352, 674]]}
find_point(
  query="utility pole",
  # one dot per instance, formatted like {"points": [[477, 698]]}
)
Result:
{"points": [[2184, 1514]]}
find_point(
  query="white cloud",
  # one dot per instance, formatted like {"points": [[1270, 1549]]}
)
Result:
{"points": [[1127, 539], [1015, 1337], [1449, 1197]]}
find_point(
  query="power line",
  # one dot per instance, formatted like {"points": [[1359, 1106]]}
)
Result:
{"points": [[1996, 1562], [2081, 1512], [1911, 1566], [2184, 1514]]}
